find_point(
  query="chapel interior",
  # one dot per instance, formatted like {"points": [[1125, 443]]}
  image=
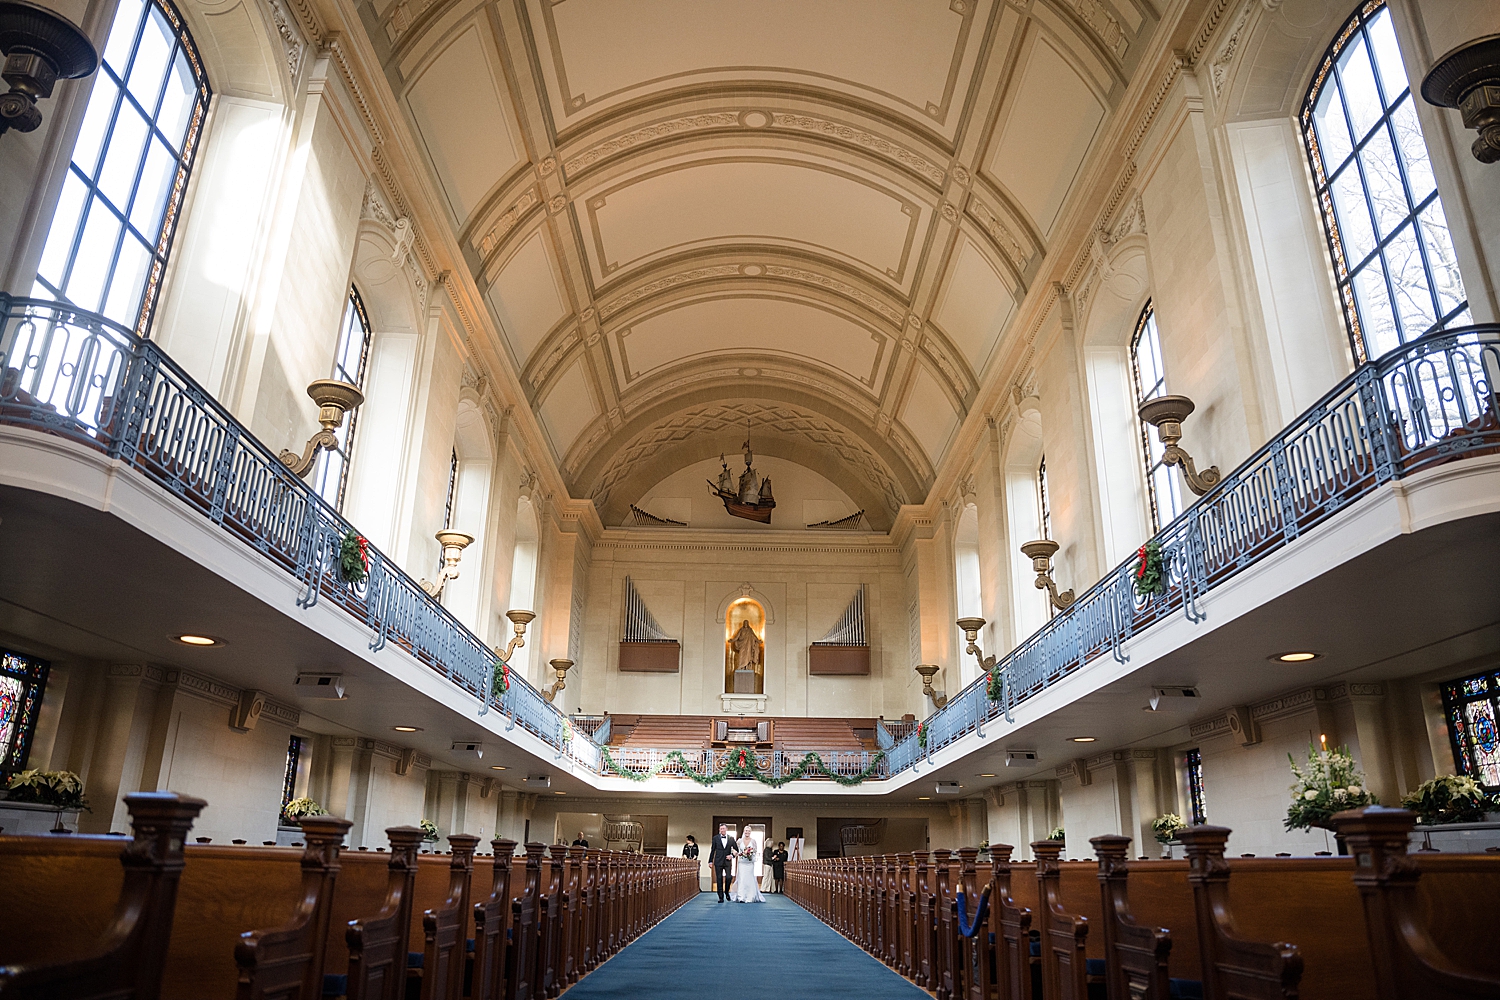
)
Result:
{"points": [[1030, 449]]}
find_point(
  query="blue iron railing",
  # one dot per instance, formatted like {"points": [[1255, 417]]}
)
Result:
{"points": [[80, 376], [1430, 401]]}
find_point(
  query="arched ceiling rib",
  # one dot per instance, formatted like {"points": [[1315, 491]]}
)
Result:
{"points": [[837, 204]]}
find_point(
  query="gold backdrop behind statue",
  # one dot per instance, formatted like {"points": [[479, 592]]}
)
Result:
{"points": [[744, 611]]}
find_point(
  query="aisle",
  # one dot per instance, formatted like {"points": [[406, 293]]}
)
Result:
{"points": [[775, 950]]}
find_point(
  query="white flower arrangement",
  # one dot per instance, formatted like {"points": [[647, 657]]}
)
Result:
{"points": [[1329, 783]]}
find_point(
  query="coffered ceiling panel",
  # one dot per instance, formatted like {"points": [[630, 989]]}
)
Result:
{"points": [[976, 305], [1045, 131], [527, 298], [911, 57], [797, 203], [472, 143], [748, 326], [568, 408], [930, 415]]}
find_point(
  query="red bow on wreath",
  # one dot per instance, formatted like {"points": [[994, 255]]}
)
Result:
{"points": [[505, 675], [1140, 569], [742, 759]]}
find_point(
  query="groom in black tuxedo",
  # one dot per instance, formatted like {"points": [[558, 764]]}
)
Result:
{"points": [[720, 851]]}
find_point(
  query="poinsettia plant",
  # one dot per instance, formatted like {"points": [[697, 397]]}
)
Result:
{"points": [[58, 789], [298, 808], [1450, 799], [1167, 826], [1329, 783], [1150, 570], [354, 557]]}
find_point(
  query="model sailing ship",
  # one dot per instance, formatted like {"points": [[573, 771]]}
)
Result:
{"points": [[752, 498]]}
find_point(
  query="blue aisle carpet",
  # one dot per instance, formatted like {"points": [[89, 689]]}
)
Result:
{"points": [[774, 950]]}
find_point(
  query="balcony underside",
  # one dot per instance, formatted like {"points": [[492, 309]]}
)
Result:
{"points": [[103, 565]]}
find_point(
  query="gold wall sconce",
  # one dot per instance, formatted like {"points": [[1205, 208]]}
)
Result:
{"points": [[1166, 414], [39, 49], [561, 666], [1040, 552], [928, 671], [453, 543], [971, 627], [519, 619], [335, 398], [1468, 78]]}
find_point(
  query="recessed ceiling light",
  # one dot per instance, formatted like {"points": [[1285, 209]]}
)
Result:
{"points": [[1083, 739], [497, 767], [197, 640], [559, 793], [986, 775], [1296, 657], [923, 798], [407, 729], [742, 796]]}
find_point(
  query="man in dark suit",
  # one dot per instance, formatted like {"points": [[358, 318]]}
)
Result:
{"points": [[720, 851]]}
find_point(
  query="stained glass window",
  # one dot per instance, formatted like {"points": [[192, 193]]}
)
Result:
{"points": [[1392, 254], [331, 474], [23, 680], [1195, 786], [289, 779], [112, 230], [1163, 492], [452, 489], [1041, 492], [1472, 706]]}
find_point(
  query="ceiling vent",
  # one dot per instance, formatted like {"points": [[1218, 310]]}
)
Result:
{"points": [[314, 685], [947, 788], [538, 781], [1174, 697], [1019, 758], [469, 748]]}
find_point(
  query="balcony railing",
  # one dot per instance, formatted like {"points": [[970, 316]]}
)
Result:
{"points": [[82, 377], [675, 763], [1428, 402]]}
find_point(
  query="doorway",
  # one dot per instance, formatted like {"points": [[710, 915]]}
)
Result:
{"points": [[757, 828]]}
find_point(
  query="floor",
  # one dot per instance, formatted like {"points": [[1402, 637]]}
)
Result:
{"points": [[775, 950]]}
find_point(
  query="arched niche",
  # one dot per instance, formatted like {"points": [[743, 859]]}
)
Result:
{"points": [[525, 571], [391, 294], [471, 484], [1023, 455], [1260, 76], [746, 590], [745, 646], [1121, 292]]}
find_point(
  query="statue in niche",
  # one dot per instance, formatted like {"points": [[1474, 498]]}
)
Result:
{"points": [[747, 655]]}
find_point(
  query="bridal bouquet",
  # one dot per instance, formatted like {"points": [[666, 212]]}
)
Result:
{"points": [[748, 853]]}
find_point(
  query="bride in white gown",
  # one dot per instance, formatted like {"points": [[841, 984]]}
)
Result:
{"points": [[745, 889]]}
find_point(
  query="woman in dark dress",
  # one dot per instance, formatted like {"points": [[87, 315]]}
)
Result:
{"points": [[690, 849], [777, 858]]}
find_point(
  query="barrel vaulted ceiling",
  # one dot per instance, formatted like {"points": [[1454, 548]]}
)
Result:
{"points": [[815, 216]]}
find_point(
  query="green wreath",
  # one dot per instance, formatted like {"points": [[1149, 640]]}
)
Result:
{"points": [[1150, 571], [742, 765], [354, 557]]}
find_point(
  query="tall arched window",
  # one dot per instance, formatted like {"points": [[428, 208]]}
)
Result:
{"points": [[110, 236], [1150, 380], [1392, 254], [331, 475]]}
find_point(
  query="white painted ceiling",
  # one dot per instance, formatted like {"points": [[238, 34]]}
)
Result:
{"points": [[823, 211]]}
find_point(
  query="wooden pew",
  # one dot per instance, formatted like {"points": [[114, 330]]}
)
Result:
{"points": [[1234, 966], [942, 904], [922, 925], [1409, 959], [445, 928], [378, 944], [287, 961], [1064, 935], [974, 954], [520, 966], [905, 916], [491, 925], [1014, 970], [1136, 956], [128, 960]]}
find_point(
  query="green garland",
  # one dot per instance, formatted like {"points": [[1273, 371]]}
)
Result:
{"points": [[735, 769]]}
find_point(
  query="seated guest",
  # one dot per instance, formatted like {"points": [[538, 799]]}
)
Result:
{"points": [[690, 849], [580, 842]]}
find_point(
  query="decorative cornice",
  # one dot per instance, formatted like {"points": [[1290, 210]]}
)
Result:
{"points": [[335, 48]]}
